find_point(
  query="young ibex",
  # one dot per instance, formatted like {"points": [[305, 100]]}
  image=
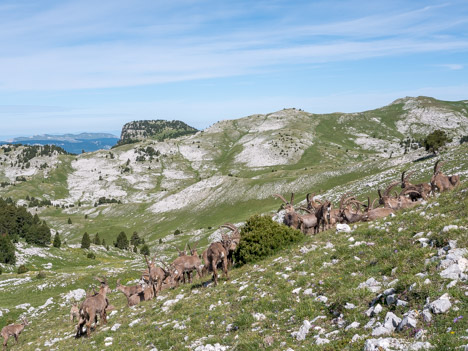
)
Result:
{"points": [[12, 330], [422, 190], [440, 181], [93, 306], [158, 274], [130, 292], [186, 264], [74, 312]]}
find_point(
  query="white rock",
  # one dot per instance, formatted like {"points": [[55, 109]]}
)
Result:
{"points": [[349, 306], [450, 227], [115, 326], [259, 316], [441, 305], [391, 321], [136, 321], [303, 331], [427, 316], [377, 309], [343, 228], [353, 325], [296, 291], [308, 292]]}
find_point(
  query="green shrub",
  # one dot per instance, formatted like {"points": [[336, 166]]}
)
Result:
{"points": [[145, 250], [22, 269], [122, 241], [40, 275], [57, 241], [1, 271], [7, 250], [91, 255], [262, 237]]}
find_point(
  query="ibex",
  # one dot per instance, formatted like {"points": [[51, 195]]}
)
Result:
{"points": [[93, 306], [345, 213], [74, 312], [399, 201], [235, 236], [12, 330], [440, 181], [375, 213], [130, 292], [422, 190], [294, 220], [158, 274], [186, 264], [218, 253]]}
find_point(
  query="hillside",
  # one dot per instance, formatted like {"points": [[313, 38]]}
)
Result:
{"points": [[313, 295]]}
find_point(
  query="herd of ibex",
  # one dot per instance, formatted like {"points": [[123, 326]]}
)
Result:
{"points": [[318, 214], [321, 214]]}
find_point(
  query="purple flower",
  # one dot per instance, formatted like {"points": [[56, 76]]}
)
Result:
{"points": [[457, 319]]}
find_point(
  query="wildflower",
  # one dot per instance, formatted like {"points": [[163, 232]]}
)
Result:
{"points": [[457, 319]]}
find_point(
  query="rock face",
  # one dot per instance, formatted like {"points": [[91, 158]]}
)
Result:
{"points": [[158, 129]]}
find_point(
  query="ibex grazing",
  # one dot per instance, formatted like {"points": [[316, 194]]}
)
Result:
{"points": [[440, 181], [12, 330], [93, 306], [375, 213], [422, 190]]}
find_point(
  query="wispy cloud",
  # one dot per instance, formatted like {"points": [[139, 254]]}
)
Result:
{"points": [[66, 46], [451, 66]]}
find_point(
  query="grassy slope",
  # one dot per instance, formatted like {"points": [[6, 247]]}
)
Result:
{"points": [[206, 312]]}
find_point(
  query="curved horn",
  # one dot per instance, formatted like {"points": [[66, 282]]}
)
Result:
{"points": [[189, 247], [230, 226], [403, 176], [281, 197], [118, 281], [373, 202], [292, 198], [308, 198], [102, 281], [306, 209], [389, 188]]}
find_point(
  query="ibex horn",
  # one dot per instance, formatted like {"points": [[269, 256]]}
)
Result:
{"points": [[292, 198], [281, 197], [389, 188]]}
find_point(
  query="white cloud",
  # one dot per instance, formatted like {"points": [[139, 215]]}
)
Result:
{"points": [[451, 66]]}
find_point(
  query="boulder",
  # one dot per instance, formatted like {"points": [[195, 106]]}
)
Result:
{"points": [[441, 305]]}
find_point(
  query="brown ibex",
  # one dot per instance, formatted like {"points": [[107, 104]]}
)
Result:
{"points": [[218, 253], [12, 330], [186, 264], [440, 181], [291, 218], [235, 236], [375, 213], [345, 213], [158, 274], [74, 312], [129, 291], [399, 201], [422, 190], [93, 306]]}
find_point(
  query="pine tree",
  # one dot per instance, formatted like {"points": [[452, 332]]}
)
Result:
{"points": [[135, 239], [103, 242], [85, 241], [57, 241], [122, 241], [7, 250], [69, 220], [97, 240], [135, 249], [145, 250]]}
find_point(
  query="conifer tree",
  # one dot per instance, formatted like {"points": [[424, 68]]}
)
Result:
{"points": [[57, 241], [69, 220], [85, 241], [145, 250], [122, 241], [97, 239]]}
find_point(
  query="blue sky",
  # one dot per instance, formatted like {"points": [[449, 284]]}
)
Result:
{"points": [[74, 66]]}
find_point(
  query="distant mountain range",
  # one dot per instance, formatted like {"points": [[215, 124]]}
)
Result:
{"points": [[73, 143]]}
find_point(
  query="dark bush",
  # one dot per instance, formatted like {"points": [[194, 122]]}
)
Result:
{"points": [[262, 237], [7, 250], [145, 250], [22, 269], [57, 242], [91, 255], [85, 241], [122, 241]]}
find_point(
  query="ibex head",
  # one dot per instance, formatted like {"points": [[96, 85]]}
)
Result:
{"points": [[405, 180], [437, 166], [288, 205]]}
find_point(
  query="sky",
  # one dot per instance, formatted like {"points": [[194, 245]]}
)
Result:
{"points": [[70, 66]]}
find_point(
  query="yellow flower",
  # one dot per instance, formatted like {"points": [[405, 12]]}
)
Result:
{"points": [[452, 332]]}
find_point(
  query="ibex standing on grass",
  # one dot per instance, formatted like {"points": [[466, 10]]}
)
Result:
{"points": [[12, 330], [93, 306], [74, 312]]}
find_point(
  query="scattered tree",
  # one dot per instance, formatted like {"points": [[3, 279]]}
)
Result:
{"points": [[97, 239], [69, 220], [85, 241], [436, 140], [57, 241], [145, 250], [22, 269], [122, 241], [135, 239]]}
